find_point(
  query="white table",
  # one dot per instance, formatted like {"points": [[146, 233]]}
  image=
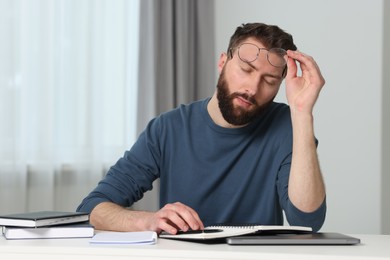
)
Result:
{"points": [[371, 247]]}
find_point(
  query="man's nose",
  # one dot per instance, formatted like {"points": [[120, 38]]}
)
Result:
{"points": [[252, 86]]}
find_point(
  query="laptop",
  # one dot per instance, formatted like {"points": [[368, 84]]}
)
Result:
{"points": [[323, 238]]}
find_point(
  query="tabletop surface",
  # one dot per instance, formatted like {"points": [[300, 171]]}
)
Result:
{"points": [[371, 247]]}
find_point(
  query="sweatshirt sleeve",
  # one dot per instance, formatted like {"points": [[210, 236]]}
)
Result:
{"points": [[295, 216], [131, 176]]}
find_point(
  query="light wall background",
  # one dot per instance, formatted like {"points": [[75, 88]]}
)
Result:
{"points": [[347, 40]]}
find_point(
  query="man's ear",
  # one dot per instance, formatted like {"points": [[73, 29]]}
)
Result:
{"points": [[222, 61]]}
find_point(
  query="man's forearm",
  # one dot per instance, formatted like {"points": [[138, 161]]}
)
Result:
{"points": [[109, 216], [306, 187], [171, 218]]}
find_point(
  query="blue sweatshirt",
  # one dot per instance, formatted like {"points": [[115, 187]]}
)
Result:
{"points": [[232, 176]]}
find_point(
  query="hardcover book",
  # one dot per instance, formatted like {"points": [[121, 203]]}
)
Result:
{"points": [[79, 230], [42, 218]]}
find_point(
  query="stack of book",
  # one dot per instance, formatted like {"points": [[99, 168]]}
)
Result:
{"points": [[46, 224]]}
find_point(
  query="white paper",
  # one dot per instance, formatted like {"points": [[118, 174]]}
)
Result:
{"points": [[136, 238]]}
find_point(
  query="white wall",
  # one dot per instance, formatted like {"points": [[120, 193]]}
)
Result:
{"points": [[346, 39]]}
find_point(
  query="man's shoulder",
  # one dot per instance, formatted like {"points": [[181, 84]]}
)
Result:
{"points": [[186, 109], [278, 117], [279, 112], [280, 107]]}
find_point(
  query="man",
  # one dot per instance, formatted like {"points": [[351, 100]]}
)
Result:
{"points": [[237, 157]]}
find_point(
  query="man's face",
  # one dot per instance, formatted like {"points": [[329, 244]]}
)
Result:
{"points": [[244, 90]]}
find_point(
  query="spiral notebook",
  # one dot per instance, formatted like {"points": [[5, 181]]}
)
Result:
{"points": [[218, 232]]}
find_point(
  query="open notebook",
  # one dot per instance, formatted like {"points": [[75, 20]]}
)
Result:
{"points": [[218, 232]]}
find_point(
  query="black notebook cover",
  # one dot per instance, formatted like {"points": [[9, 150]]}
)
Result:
{"points": [[42, 218]]}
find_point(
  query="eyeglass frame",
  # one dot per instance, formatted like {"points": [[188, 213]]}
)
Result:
{"points": [[258, 54]]}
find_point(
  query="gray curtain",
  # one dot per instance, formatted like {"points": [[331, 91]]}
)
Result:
{"points": [[177, 61], [177, 57]]}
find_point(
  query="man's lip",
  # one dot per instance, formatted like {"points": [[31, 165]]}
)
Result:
{"points": [[244, 101]]}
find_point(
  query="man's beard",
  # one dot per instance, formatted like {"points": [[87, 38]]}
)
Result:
{"points": [[236, 115]]}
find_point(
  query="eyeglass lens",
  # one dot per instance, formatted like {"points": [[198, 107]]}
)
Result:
{"points": [[249, 52]]}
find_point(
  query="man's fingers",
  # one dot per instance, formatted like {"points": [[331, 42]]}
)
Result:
{"points": [[306, 62], [190, 216], [292, 68], [169, 218], [177, 216]]}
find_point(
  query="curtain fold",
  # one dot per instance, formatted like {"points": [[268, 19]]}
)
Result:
{"points": [[177, 61]]}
